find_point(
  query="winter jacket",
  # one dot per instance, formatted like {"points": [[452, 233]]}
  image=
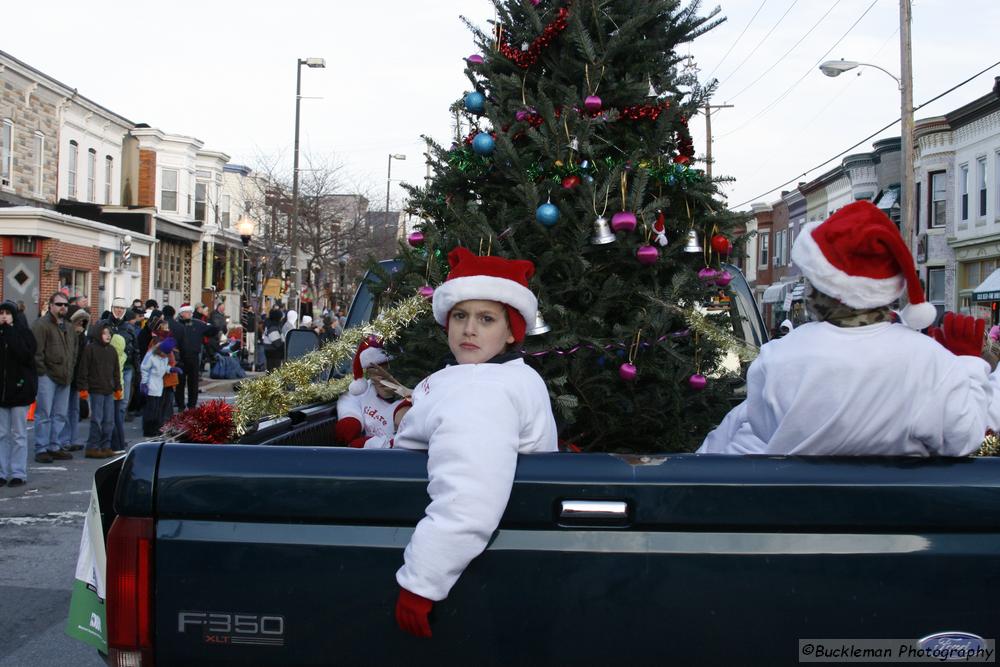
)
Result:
{"points": [[18, 376], [118, 342], [154, 367], [57, 349], [131, 336], [217, 320], [100, 372], [190, 337]]}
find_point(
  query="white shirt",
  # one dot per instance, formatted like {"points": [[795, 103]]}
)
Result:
{"points": [[881, 389], [474, 419]]}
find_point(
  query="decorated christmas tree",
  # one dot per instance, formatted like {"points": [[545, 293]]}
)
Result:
{"points": [[579, 159]]}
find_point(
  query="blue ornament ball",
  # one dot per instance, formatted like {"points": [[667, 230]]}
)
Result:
{"points": [[483, 144], [547, 214], [475, 102]]}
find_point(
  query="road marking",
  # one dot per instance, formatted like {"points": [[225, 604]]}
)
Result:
{"points": [[33, 494], [48, 469], [51, 517]]}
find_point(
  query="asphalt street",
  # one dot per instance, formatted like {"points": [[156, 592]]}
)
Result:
{"points": [[40, 528]]}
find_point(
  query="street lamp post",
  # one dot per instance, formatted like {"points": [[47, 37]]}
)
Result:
{"points": [[296, 276], [388, 181]]}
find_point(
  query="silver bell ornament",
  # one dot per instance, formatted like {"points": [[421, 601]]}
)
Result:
{"points": [[602, 232], [693, 244], [539, 327]]}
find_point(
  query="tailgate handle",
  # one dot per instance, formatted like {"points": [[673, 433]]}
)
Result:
{"points": [[593, 509]]}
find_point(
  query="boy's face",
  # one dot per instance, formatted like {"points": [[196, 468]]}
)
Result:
{"points": [[478, 331], [6, 317], [106, 336]]}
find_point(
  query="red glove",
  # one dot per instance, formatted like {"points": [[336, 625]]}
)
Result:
{"points": [[411, 613], [359, 442], [961, 335], [346, 429]]}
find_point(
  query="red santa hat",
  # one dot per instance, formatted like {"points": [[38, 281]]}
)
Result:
{"points": [[370, 353], [858, 257], [489, 279], [185, 308]]}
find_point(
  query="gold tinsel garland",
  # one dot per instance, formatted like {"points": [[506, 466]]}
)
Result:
{"points": [[990, 446], [295, 384]]}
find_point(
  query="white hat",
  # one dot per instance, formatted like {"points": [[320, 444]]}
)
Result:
{"points": [[306, 320], [787, 324], [185, 308]]}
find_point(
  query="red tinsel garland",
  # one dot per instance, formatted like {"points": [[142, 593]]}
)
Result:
{"points": [[525, 59], [209, 423]]}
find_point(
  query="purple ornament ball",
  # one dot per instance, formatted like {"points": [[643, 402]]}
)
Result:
{"points": [[697, 381], [627, 372], [647, 255], [474, 59], [593, 103], [708, 274], [623, 221], [415, 239], [426, 291], [723, 279]]}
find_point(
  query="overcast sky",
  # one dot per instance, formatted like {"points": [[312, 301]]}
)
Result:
{"points": [[224, 72]]}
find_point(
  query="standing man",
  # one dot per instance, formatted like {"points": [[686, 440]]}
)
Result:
{"points": [[218, 317], [190, 334], [55, 359], [121, 325]]}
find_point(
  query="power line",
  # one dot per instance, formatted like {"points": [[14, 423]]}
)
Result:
{"points": [[760, 43], [785, 54], [803, 77], [870, 136], [733, 45]]}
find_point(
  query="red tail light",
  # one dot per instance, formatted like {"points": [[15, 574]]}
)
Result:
{"points": [[130, 592]]}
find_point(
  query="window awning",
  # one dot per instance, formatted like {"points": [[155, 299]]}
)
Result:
{"points": [[774, 293], [888, 199], [989, 289]]}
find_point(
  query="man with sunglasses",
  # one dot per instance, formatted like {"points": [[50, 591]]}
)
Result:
{"points": [[55, 359]]}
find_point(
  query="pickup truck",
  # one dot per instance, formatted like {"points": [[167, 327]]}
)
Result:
{"points": [[282, 551]]}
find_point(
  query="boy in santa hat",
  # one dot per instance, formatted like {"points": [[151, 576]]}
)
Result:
{"points": [[853, 382], [369, 411], [473, 418]]}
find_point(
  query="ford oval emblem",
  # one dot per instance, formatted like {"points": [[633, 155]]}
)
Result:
{"points": [[952, 645]]}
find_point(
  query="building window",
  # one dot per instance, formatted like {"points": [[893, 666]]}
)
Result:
{"points": [[916, 205], [935, 286], [168, 190], [765, 243], [981, 174], [92, 175], [6, 152], [779, 247], [200, 192], [973, 273], [75, 282], [938, 193], [24, 245], [173, 262], [963, 189], [224, 212], [109, 169], [39, 163], [74, 155]]}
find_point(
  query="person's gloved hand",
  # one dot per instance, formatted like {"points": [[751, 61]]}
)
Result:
{"points": [[359, 442], [176, 370], [961, 335], [347, 429], [412, 612], [144, 389], [84, 394], [119, 394]]}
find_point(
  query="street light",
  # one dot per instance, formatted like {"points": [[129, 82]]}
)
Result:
{"points": [[296, 276], [833, 68], [245, 229], [388, 181]]}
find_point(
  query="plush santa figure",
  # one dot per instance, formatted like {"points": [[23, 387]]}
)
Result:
{"points": [[855, 382], [366, 413], [473, 418]]}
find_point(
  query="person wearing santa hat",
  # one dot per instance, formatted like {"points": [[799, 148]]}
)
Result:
{"points": [[473, 418], [854, 382], [370, 410]]}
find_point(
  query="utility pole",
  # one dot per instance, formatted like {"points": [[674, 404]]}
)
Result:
{"points": [[708, 132], [906, 113]]}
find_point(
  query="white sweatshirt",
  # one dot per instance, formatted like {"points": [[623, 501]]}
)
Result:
{"points": [[881, 389], [474, 420]]}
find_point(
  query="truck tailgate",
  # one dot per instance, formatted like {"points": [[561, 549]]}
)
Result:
{"points": [[287, 555]]}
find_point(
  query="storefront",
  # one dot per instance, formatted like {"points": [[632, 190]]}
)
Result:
{"points": [[985, 298]]}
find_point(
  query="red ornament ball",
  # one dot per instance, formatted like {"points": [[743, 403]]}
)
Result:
{"points": [[721, 244], [570, 182], [628, 372]]}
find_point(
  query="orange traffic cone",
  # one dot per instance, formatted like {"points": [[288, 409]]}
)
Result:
{"points": [[31, 413]]}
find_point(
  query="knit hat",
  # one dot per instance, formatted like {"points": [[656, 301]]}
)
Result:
{"points": [[167, 345], [858, 257], [118, 302], [370, 353], [488, 279], [185, 308], [10, 307]]}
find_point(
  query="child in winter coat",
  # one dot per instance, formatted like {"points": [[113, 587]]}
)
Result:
{"points": [[154, 369], [473, 419], [100, 376], [854, 382], [369, 412]]}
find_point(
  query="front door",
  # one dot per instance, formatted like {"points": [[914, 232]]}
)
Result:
{"points": [[20, 283]]}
